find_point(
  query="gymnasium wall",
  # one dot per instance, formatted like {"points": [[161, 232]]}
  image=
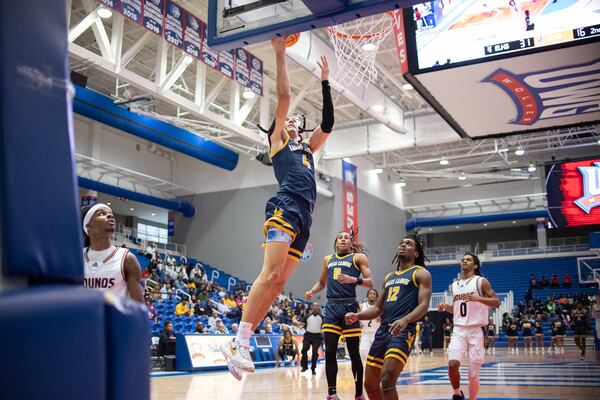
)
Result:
{"points": [[227, 232]]}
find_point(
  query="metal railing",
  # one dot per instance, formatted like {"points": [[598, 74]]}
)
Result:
{"points": [[517, 244], [461, 248], [129, 236], [507, 303], [178, 291], [565, 241], [439, 298], [536, 250]]}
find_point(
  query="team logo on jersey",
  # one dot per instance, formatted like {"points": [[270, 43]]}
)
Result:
{"points": [[278, 212], [591, 187], [556, 93]]}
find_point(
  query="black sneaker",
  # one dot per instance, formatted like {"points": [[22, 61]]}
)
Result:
{"points": [[303, 369], [460, 396], [313, 371]]}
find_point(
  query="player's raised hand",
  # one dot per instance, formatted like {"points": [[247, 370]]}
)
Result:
{"points": [[278, 44], [308, 295], [324, 66], [397, 327], [351, 318], [343, 278]]}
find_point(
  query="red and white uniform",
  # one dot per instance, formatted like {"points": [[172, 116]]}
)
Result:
{"points": [[104, 270], [469, 317], [369, 328]]}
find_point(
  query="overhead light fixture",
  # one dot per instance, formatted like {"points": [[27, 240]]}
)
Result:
{"points": [[531, 168], [430, 229], [347, 159], [104, 12], [598, 141], [516, 170], [248, 94], [457, 227], [378, 170], [108, 204], [131, 209], [378, 107], [485, 224], [369, 47], [462, 177], [514, 222], [402, 183], [153, 214], [443, 161], [519, 151], [407, 86]]}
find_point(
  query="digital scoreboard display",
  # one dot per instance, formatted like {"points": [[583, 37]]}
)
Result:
{"points": [[449, 32], [573, 191]]}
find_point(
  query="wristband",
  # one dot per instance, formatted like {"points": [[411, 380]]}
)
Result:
{"points": [[359, 281]]}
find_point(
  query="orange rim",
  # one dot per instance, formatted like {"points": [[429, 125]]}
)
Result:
{"points": [[368, 36]]}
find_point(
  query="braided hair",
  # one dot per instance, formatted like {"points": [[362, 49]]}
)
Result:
{"points": [[356, 245], [419, 246], [476, 261]]}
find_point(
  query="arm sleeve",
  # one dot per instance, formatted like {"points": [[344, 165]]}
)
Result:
{"points": [[327, 112]]}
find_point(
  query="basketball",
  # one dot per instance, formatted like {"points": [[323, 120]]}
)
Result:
{"points": [[292, 39]]}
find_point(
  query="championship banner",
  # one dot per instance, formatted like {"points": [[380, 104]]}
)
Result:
{"points": [[174, 24], [242, 72], [227, 62], [192, 36], [132, 9], [349, 196], [171, 226], [154, 12], [256, 75], [209, 56]]}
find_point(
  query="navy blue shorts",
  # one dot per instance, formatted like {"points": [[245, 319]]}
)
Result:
{"points": [[334, 319], [387, 346], [290, 215]]}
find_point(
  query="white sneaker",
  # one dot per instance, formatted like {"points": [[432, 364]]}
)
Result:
{"points": [[238, 356]]}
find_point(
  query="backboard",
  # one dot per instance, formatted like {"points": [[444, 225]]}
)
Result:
{"points": [[237, 23]]}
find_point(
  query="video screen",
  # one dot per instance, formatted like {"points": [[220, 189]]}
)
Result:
{"points": [[573, 191], [451, 31]]}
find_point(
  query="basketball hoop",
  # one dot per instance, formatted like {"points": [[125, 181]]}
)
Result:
{"points": [[356, 44]]}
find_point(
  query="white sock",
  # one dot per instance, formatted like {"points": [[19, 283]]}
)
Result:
{"points": [[244, 333]]}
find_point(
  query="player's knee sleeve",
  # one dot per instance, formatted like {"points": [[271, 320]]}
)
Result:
{"points": [[474, 370]]}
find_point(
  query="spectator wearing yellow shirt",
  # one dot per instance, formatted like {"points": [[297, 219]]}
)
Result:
{"points": [[229, 301], [183, 309]]}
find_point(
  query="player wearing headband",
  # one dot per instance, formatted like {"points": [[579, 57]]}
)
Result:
{"points": [[106, 266], [288, 213], [472, 297]]}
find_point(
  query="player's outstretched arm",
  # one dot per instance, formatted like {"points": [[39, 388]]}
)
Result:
{"points": [[283, 91], [321, 133], [424, 280], [489, 297], [133, 277], [321, 283]]}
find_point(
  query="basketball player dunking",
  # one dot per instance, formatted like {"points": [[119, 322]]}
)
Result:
{"points": [[106, 266], [369, 327], [472, 296]]}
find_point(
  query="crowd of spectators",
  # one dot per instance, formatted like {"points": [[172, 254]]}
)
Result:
{"points": [[553, 283]]}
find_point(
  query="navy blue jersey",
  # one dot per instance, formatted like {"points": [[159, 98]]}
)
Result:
{"points": [[579, 321], [401, 295], [295, 170], [337, 265], [539, 328]]}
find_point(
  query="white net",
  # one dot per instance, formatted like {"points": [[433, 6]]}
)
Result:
{"points": [[356, 44]]}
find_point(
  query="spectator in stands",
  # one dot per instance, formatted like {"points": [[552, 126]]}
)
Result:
{"points": [[152, 313], [554, 283], [532, 281], [287, 347], [505, 322], [234, 328], [166, 342], [212, 320], [151, 250], [550, 306], [219, 329], [164, 293], [196, 274], [229, 301], [183, 309], [567, 281], [198, 309], [269, 329], [200, 328], [181, 272], [152, 267], [544, 282], [236, 312]]}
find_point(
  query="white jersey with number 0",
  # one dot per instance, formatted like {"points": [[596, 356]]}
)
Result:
{"points": [[103, 270], [468, 313]]}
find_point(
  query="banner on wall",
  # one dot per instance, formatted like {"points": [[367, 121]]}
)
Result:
{"points": [[187, 32], [349, 196], [171, 226]]}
